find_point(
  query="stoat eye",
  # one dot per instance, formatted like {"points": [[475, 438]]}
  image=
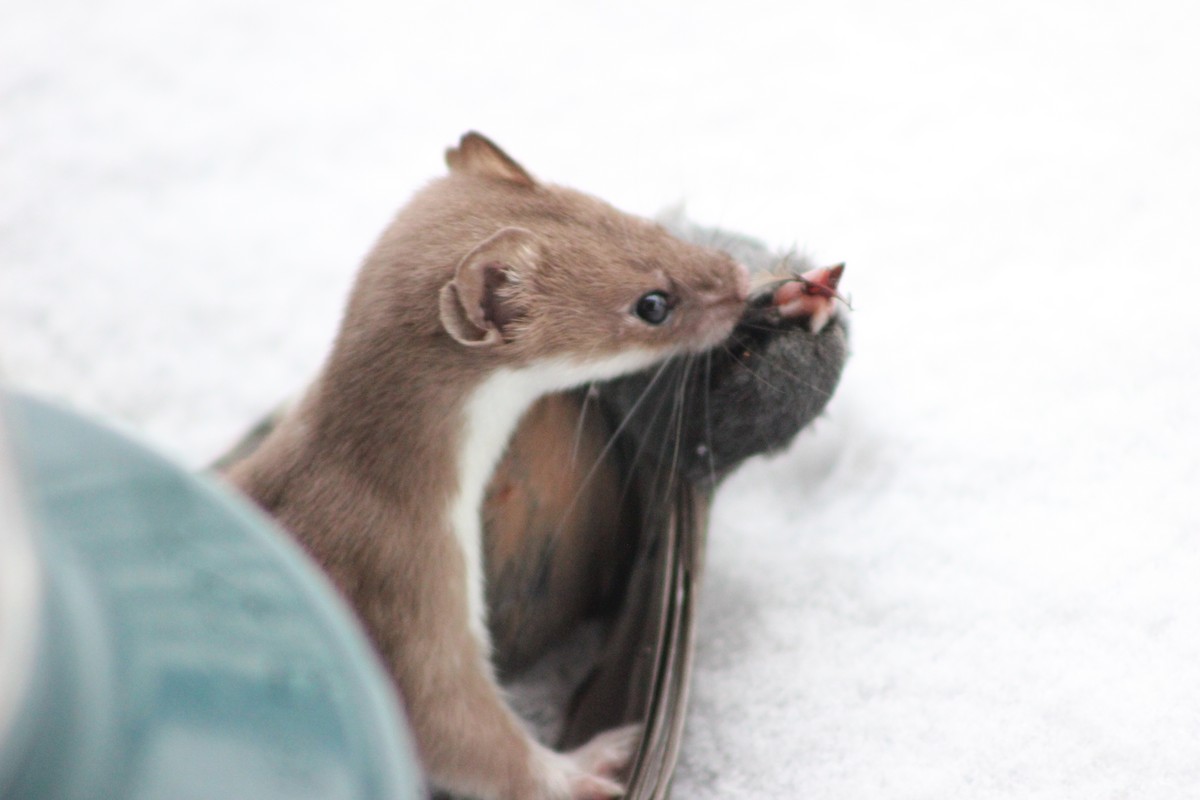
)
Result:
{"points": [[653, 307]]}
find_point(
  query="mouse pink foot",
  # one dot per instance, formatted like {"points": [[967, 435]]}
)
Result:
{"points": [[812, 295]]}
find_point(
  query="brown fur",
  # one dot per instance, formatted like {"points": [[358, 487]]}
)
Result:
{"points": [[484, 269], [557, 532]]}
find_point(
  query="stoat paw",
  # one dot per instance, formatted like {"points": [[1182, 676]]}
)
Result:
{"points": [[608, 753], [593, 771]]}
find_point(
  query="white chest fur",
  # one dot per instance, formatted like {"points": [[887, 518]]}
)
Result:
{"points": [[490, 416]]}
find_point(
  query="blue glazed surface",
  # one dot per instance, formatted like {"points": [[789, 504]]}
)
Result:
{"points": [[188, 649]]}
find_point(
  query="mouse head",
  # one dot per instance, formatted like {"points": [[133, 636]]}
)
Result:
{"points": [[563, 276]]}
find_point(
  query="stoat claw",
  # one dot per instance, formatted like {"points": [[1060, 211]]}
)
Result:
{"points": [[608, 753], [593, 771]]}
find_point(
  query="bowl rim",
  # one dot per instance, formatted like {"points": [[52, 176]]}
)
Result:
{"points": [[21, 584]]}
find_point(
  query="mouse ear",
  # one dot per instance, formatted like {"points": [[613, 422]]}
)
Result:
{"points": [[479, 306], [479, 155]]}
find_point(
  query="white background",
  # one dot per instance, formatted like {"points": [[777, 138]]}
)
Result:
{"points": [[978, 576]]}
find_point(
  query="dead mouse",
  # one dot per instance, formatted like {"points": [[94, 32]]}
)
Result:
{"points": [[702, 415], [581, 502], [564, 508]]}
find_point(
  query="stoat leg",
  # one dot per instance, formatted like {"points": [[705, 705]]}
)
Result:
{"points": [[512, 766], [469, 740]]}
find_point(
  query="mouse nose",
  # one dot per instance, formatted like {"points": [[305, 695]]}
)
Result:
{"points": [[824, 280], [812, 296]]}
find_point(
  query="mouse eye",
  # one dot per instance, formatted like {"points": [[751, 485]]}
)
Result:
{"points": [[653, 307]]}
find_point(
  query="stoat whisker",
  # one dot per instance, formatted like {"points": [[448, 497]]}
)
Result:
{"points": [[800, 379], [671, 403], [583, 409], [749, 368], [708, 437], [608, 446], [795, 376], [680, 410], [756, 327], [674, 429], [643, 441], [587, 396]]}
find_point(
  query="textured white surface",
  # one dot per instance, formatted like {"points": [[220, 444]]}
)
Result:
{"points": [[977, 577]]}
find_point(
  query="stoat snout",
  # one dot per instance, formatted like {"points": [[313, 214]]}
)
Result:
{"points": [[743, 281], [720, 308]]}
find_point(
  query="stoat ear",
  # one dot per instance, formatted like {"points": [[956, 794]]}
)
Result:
{"points": [[479, 155], [479, 306]]}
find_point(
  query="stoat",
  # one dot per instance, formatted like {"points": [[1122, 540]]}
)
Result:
{"points": [[489, 290]]}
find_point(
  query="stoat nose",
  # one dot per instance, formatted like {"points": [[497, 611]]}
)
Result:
{"points": [[743, 280]]}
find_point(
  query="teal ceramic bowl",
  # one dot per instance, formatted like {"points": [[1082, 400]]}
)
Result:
{"points": [[160, 640]]}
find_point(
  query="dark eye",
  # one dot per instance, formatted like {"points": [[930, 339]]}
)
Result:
{"points": [[653, 307]]}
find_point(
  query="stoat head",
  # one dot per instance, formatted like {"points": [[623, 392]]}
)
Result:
{"points": [[553, 273]]}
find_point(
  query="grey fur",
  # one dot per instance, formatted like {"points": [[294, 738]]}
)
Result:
{"points": [[704, 415]]}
